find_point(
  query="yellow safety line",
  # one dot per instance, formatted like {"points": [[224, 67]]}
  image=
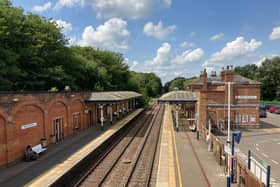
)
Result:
{"points": [[171, 160], [177, 158]]}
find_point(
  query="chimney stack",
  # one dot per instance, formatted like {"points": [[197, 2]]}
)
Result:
{"points": [[227, 74]]}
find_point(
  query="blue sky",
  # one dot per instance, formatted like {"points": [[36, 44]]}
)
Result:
{"points": [[170, 37]]}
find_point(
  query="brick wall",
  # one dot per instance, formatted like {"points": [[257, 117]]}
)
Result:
{"points": [[3, 148], [37, 110], [244, 98], [26, 118]]}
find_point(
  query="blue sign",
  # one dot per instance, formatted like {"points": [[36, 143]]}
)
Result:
{"points": [[237, 136]]}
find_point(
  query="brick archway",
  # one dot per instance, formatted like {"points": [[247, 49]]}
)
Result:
{"points": [[57, 108], [28, 128], [77, 106]]}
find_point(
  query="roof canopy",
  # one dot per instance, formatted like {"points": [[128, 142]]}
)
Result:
{"points": [[111, 97], [178, 97]]}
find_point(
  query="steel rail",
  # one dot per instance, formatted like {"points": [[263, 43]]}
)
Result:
{"points": [[103, 157], [138, 154]]}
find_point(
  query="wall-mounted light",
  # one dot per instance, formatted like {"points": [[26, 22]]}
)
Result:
{"points": [[15, 99]]}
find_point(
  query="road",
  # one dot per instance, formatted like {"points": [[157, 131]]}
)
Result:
{"points": [[264, 142]]}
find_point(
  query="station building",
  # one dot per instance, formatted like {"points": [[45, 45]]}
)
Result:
{"points": [[212, 93], [28, 118]]}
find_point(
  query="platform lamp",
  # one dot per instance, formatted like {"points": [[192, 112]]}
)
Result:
{"points": [[101, 116]]}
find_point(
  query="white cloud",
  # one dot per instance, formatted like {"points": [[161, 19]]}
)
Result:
{"points": [[65, 26], [275, 35], [260, 61], [158, 31], [127, 8], [237, 48], [262, 58], [112, 35], [122, 8], [133, 9], [73, 41], [163, 56], [217, 36], [189, 56], [68, 3], [185, 45], [42, 8]]}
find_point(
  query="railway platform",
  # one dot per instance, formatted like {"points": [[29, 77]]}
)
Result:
{"points": [[59, 158], [189, 163]]}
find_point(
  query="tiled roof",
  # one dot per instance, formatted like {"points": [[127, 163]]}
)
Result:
{"points": [[112, 96], [184, 96], [237, 79]]}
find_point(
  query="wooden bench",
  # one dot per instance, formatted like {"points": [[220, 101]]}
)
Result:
{"points": [[38, 149]]}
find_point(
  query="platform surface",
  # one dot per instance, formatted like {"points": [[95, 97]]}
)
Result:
{"points": [[57, 154], [166, 168], [190, 164]]}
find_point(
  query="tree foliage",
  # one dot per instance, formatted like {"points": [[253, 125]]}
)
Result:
{"points": [[34, 56], [268, 73], [179, 83]]}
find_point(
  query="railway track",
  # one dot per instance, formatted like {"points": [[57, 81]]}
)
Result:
{"points": [[141, 170], [120, 164]]}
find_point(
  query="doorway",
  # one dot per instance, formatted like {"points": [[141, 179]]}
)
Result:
{"points": [[58, 131]]}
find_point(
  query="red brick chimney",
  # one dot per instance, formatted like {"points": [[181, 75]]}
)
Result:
{"points": [[204, 79], [227, 74]]}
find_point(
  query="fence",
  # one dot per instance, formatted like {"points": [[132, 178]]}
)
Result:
{"points": [[243, 176]]}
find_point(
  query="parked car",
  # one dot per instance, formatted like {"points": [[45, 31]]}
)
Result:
{"points": [[277, 111], [272, 109], [262, 112], [267, 106]]}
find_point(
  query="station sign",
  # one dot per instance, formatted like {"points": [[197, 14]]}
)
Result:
{"points": [[29, 125], [246, 97]]}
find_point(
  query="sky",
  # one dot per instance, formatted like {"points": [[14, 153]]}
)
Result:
{"points": [[170, 37]]}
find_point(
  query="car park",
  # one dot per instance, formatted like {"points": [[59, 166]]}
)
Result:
{"points": [[277, 111], [272, 109], [267, 106], [262, 112]]}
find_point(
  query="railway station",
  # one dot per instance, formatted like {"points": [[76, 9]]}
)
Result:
{"points": [[90, 138], [107, 93]]}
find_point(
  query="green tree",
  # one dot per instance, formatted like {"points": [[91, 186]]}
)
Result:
{"points": [[269, 75], [249, 71], [34, 50], [180, 83]]}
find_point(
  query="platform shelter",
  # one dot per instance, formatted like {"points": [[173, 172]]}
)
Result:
{"points": [[183, 102], [106, 105]]}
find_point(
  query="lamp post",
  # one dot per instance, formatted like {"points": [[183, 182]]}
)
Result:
{"points": [[228, 137]]}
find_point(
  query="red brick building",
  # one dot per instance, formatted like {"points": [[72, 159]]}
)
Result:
{"points": [[212, 93], [27, 118]]}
